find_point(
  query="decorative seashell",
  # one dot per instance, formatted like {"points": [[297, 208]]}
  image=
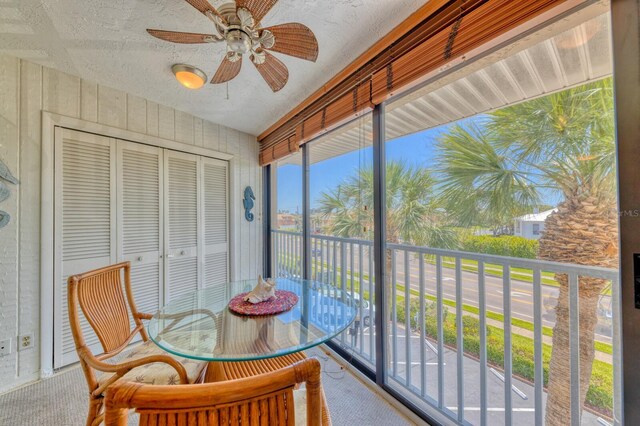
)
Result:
{"points": [[262, 292]]}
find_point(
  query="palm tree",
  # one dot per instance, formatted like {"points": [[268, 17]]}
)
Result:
{"points": [[412, 214], [562, 142]]}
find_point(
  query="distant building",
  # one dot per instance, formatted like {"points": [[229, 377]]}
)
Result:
{"points": [[289, 222], [531, 225]]}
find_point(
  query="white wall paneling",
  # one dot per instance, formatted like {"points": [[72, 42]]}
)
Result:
{"points": [[26, 146]]}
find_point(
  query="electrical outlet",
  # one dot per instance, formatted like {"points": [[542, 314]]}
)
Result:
{"points": [[25, 341], [5, 347]]}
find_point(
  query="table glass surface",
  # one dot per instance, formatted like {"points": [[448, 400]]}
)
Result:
{"points": [[199, 325]]}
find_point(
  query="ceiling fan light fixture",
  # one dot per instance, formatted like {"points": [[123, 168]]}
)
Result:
{"points": [[238, 41], [189, 76], [238, 24]]}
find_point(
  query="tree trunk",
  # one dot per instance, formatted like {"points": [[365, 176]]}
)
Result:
{"points": [[388, 288], [582, 231], [558, 410]]}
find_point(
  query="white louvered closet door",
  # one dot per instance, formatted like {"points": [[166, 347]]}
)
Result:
{"points": [[215, 184], [182, 205], [85, 237], [140, 220]]}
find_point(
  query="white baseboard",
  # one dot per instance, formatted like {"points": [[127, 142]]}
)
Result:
{"points": [[20, 382]]}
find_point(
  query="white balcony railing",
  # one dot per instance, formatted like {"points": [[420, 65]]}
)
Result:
{"points": [[427, 359]]}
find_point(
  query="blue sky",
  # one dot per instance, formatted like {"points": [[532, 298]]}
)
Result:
{"points": [[416, 149]]}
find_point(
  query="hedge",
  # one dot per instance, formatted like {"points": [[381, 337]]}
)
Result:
{"points": [[599, 395], [504, 245]]}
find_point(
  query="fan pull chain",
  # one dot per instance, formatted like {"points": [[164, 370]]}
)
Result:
{"points": [[227, 98]]}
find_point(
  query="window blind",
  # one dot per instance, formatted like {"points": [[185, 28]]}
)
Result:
{"points": [[440, 32]]}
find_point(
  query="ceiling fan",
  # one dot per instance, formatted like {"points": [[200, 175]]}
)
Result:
{"points": [[238, 23]]}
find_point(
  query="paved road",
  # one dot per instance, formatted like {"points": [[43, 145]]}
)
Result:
{"points": [[521, 291], [522, 395]]}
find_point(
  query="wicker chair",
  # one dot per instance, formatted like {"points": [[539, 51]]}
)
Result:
{"points": [[100, 295], [234, 370], [266, 399]]}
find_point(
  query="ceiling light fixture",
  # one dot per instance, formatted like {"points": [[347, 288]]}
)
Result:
{"points": [[189, 76]]}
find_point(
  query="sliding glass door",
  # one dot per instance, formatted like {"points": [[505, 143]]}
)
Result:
{"points": [[501, 235], [497, 239], [286, 217], [341, 231]]}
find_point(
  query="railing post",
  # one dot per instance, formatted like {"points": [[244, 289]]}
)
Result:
{"points": [[460, 339], [483, 344], [537, 345], [421, 322], [394, 313], [574, 349], [440, 325], [407, 318], [508, 370]]}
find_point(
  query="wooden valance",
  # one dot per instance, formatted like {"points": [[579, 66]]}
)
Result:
{"points": [[279, 150], [439, 32]]}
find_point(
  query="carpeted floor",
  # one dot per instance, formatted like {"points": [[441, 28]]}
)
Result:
{"points": [[61, 400]]}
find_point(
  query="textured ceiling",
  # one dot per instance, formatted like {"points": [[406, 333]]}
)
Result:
{"points": [[105, 41]]}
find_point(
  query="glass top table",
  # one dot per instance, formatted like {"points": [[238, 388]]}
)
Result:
{"points": [[199, 325]]}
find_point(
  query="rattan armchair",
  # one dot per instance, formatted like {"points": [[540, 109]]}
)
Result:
{"points": [[234, 370], [100, 296], [266, 399]]}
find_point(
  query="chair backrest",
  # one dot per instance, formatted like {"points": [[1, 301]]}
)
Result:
{"points": [[100, 295], [266, 399]]}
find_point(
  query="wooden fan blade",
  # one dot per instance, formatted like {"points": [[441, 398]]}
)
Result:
{"points": [[180, 37], [295, 39], [274, 72], [226, 71], [258, 8], [203, 6]]}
